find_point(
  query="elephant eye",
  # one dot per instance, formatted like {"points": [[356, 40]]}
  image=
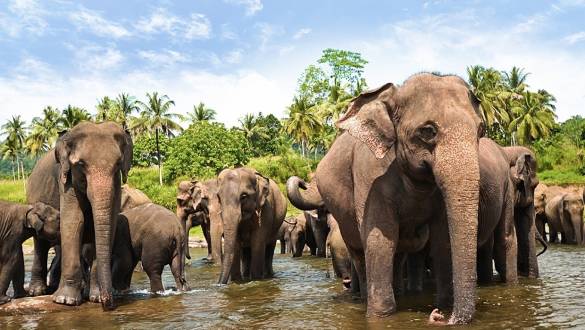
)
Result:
{"points": [[243, 196], [427, 132]]}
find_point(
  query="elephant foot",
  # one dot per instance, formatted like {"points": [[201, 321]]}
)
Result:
{"points": [[347, 283], [437, 318], [19, 294], [4, 299], [37, 289], [68, 294], [94, 295]]}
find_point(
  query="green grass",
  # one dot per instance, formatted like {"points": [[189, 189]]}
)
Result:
{"points": [[12, 191], [562, 178]]}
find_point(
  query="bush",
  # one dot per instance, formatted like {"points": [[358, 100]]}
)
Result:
{"points": [[146, 180], [144, 152], [204, 149], [280, 168]]}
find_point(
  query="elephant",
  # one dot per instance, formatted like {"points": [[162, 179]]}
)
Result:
{"points": [[19, 222], [297, 233], [252, 211], [564, 214], [543, 194], [197, 204], [131, 198], [339, 254], [153, 235], [407, 159], [82, 178]]}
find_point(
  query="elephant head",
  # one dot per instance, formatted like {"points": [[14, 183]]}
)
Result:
{"points": [[192, 206], [571, 215], [295, 232], [93, 159], [523, 175], [242, 194], [44, 219], [432, 125], [540, 198]]}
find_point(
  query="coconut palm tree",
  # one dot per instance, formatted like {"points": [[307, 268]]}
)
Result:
{"points": [[72, 116], [251, 128], [44, 132], [302, 122], [156, 116], [124, 106], [534, 119], [105, 109], [487, 84], [13, 146], [201, 113], [515, 80]]}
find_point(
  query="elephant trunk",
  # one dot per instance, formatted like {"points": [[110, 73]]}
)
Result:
{"points": [[309, 199], [102, 193], [231, 219], [456, 172]]}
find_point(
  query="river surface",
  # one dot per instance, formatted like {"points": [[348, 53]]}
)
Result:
{"points": [[304, 295]]}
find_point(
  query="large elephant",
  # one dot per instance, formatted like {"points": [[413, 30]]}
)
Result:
{"points": [[82, 177], [153, 235], [564, 214], [19, 222], [197, 204], [542, 195], [252, 211], [408, 159]]}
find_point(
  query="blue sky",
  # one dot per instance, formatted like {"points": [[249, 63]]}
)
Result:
{"points": [[241, 56]]}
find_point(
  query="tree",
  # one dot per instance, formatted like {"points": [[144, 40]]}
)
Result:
{"points": [[44, 132], [345, 66], [72, 116], [301, 123], [201, 113], [105, 109], [574, 130], [250, 127], [535, 118], [13, 146], [124, 106], [515, 80], [156, 116]]}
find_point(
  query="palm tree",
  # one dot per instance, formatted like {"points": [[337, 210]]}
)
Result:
{"points": [[201, 113], [124, 106], [105, 109], [44, 132], [251, 128], [13, 146], [155, 116], [535, 118], [486, 84], [302, 122], [72, 116], [515, 80]]}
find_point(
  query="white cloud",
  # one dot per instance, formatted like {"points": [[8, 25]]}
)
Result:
{"points": [[94, 22], [266, 32], [163, 58], [234, 57], [197, 26], [23, 16], [301, 33], [575, 38], [227, 33], [252, 6], [95, 58]]}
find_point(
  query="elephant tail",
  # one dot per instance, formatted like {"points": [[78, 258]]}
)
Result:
{"points": [[543, 242]]}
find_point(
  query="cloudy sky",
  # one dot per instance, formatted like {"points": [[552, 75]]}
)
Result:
{"points": [[241, 56]]}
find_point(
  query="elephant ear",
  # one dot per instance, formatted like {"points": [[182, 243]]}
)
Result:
{"points": [[33, 220], [199, 194], [368, 119], [62, 151], [263, 185], [127, 152], [184, 191]]}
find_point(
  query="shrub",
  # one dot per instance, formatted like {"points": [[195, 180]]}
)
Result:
{"points": [[280, 168], [144, 152]]}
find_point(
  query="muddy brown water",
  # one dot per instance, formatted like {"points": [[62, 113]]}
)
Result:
{"points": [[303, 295]]}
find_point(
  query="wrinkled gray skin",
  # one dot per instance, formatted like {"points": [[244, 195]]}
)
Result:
{"points": [[564, 214], [316, 222], [19, 222], [543, 194], [339, 254], [297, 233], [152, 234], [523, 169], [252, 211], [131, 198], [408, 159], [197, 204], [82, 177]]}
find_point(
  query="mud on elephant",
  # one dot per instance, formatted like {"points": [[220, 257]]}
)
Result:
{"points": [[252, 211], [82, 177]]}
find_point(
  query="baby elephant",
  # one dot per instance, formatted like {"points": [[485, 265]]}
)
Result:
{"points": [[19, 222], [152, 234]]}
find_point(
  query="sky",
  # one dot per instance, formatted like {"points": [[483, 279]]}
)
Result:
{"points": [[245, 56]]}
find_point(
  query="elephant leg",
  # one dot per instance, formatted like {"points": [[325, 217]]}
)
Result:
{"points": [[415, 264], [398, 280], [485, 255], [236, 271], [38, 278], [246, 260], [70, 285], [258, 256], [269, 256], [355, 280], [527, 233], [207, 234], [442, 265], [122, 270], [153, 267], [553, 235], [179, 273], [506, 246], [54, 270], [6, 274], [18, 276], [282, 246]]}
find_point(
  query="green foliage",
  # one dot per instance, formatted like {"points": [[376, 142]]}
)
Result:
{"points": [[204, 149], [144, 153], [563, 151], [146, 180], [553, 177], [574, 130], [12, 191], [270, 142], [280, 168]]}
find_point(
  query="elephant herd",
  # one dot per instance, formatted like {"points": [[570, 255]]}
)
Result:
{"points": [[410, 187]]}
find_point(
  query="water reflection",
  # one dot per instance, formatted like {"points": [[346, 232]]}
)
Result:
{"points": [[303, 295]]}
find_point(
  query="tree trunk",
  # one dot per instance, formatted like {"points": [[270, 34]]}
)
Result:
{"points": [[23, 176], [303, 147], [158, 157], [13, 174]]}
